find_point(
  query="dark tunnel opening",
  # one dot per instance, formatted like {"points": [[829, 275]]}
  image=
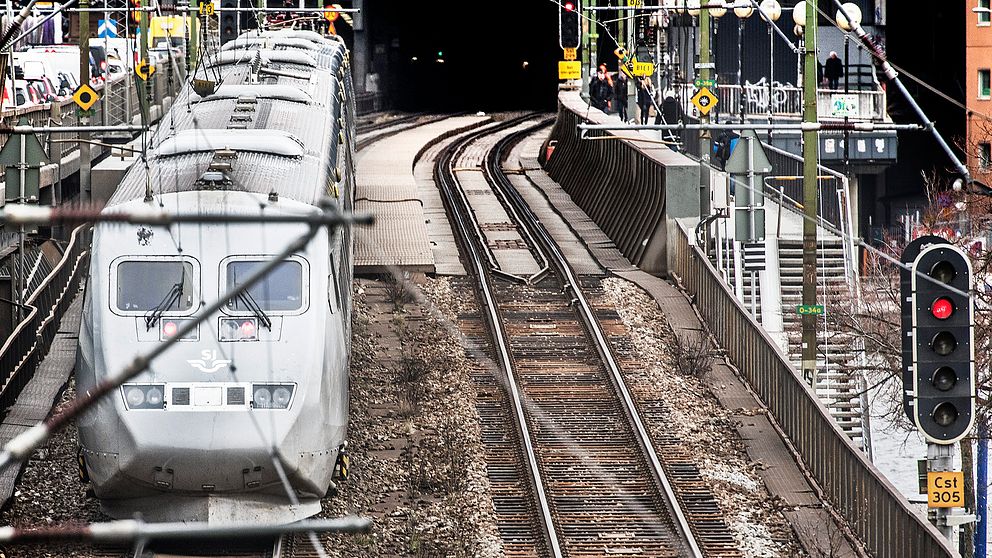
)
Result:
{"points": [[455, 56]]}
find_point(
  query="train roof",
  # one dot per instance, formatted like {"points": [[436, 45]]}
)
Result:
{"points": [[273, 131]]}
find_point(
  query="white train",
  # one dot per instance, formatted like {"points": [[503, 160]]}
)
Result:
{"points": [[193, 438]]}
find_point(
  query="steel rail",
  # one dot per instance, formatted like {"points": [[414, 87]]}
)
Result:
{"points": [[595, 330], [444, 174], [493, 262]]}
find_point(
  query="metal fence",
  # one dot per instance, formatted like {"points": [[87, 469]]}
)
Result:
{"points": [[368, 103], [762, 100], [118, 104], [881, 517], [23, 351]]}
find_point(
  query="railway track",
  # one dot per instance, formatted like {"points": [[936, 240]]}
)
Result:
{"points": [[371, 133], [580, 458]]}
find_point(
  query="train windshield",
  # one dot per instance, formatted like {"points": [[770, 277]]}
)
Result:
{"points": [[280, 291], [144, 285]]}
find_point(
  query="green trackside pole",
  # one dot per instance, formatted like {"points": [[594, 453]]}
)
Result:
{"points": [[705, 138], [811, 145], [194, 35]]}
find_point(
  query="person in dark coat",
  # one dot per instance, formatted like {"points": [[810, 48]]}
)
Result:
{"points": [[600, 89], [833, 70], [620, 94], [645, 93]]}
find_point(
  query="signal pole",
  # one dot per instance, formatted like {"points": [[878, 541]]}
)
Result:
{"points": [[705, 138], [84, 79], [811, 144]]}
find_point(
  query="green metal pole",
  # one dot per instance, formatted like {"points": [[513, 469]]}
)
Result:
{"points": [[810, 150], [84, 78], [705, 138], [194, 35]]}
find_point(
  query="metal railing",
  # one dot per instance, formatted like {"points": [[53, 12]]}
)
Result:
{"points": [[118, 104], [786, 101], [23, 351], [882, 518], [367, 103]]}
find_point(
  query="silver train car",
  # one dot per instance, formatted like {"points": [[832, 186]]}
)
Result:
{"points": [[193, 438]]}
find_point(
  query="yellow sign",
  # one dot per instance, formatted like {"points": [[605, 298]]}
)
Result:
{"points": [[704, 100], [85, 96], [945, 489], [169, 26], [207, 9], [569, 69], [144, 70], [570, 54], [635, 3], [643, 69]]}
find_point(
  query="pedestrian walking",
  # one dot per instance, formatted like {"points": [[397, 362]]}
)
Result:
{"points": [[600, 89], [645, 94], [621, 95], [833, 70]]}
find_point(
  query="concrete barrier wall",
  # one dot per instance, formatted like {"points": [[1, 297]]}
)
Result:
{"points": [[628, 185]]}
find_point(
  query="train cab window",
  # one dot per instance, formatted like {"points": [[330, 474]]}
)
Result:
{"points": [[280, 291], [144, 285]]}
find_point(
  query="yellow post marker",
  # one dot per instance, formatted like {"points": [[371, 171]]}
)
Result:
{"points": [[85, 96], [704, 100], [945, 489], [569, 69], [571, 54], [144, 70]]}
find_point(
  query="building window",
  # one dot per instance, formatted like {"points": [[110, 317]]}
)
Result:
{"points": [[984, 17], [984, 84], [984, 156]]}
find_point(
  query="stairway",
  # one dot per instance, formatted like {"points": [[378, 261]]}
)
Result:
{"points": [[837, 383]]}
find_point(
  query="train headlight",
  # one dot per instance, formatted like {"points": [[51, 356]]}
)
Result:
{"points": [[144, 396], [272, 396], [239, 329], [168, 328]]}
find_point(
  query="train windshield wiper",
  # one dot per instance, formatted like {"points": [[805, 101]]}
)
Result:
{"points": [[253, 305], [176, 291]]}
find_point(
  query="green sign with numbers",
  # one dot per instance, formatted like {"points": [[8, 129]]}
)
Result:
{"points": [[807, 310]]}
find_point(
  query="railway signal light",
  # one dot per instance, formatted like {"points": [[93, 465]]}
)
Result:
{"points": [[943, 344], [569, 30]]}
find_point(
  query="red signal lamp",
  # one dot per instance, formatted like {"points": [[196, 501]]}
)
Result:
{"points": [[942, 308], [248, 329], [569, 7]]}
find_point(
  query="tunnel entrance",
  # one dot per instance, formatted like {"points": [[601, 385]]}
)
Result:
{"points": [[455, 56]]}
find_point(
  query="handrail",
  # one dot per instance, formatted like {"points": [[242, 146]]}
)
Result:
{"points": [[883, 519], [21, 353]]}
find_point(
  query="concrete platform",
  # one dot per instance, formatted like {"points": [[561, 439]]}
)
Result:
{"points": [[388, 189]]}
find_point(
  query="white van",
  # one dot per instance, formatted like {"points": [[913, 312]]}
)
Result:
{"points": [[62, 68]]}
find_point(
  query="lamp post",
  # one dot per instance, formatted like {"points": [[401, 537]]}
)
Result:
{"points": [[852, 10], [742, 13], [772, 10]]}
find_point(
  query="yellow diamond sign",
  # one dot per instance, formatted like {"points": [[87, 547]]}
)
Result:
{"points": [[144, 70], [704, 100], [85, 96]]}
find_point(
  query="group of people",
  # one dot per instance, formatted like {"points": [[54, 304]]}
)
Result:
{"points": [[611, 93]]}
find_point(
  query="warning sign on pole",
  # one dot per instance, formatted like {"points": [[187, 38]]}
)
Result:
{"points": [[569, 69]]}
